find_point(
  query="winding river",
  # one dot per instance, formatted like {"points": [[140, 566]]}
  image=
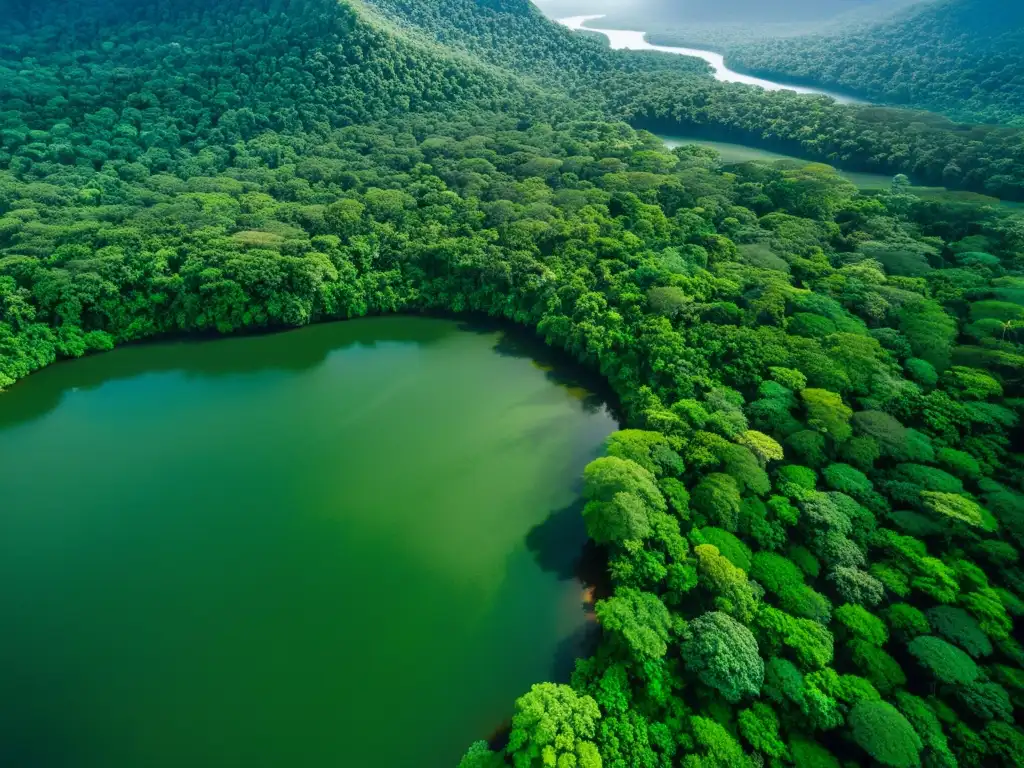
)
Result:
{"points": [[347, 545], [622, 39], [737, 153]]}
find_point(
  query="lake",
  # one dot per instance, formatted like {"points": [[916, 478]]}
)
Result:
{"points": [[348, 545], [624, 39], [743, 153]]}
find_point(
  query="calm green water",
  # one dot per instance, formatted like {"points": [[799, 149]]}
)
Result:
{"points": [[348, 545], [743, 153]]}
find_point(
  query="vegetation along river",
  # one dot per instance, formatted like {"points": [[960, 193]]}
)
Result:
{"points": [[731, 152], [743, 153], [347, 545], [636, 41]]}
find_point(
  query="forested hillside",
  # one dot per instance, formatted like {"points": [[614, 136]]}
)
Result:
{"points": [[813, 523], [718, 25], [964, 58], [514, 34], [659, 14], [649, 90], [192, 74]]}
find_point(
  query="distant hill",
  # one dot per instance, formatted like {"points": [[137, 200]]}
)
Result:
{"points": [[655, 15], [746, 11], [964, 58], [515, 35], [197, 72]]}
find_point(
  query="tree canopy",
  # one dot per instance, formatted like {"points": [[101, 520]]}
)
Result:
{"points": [[814, 509]]}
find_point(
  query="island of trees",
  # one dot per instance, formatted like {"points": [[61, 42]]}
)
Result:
{"points": [[813, 521]]}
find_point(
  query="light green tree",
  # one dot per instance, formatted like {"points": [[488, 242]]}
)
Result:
{"points": [[554, 727]]}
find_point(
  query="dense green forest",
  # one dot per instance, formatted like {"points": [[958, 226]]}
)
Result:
{"points": [[495, 55], [514, 34], [960, 58], [673, 14], [813, 522], [930, 148], [964, 58]]}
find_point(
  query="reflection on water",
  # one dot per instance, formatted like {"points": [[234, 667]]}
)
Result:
{"points": [[286, 351]]}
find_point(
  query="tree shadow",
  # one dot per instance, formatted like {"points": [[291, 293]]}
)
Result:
{"points": [[35, 732], [560, 546], [581, 644], [557, 544], [288, 350], [211, 356], [590, 388]]}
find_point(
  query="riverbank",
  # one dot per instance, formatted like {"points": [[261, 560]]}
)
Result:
{"points": [[744, 153], [620, 39]]}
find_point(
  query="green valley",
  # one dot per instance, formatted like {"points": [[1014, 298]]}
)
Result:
{"points": [[958, 57], [352, 542]]}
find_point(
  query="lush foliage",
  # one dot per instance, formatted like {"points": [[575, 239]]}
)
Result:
{"points": [[659, 92], [553, 726], [963, 58], [814, 519]]}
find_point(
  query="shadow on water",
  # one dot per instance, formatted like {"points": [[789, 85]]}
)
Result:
{"points": [[34, 744], [581, 644], [590, 387], [560, 546], [210, 356], [557, 543], [33, 737]]}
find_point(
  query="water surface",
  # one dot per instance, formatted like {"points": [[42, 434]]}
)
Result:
{"points": [[745, 153], [347, 545]]}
